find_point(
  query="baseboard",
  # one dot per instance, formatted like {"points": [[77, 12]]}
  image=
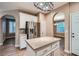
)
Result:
{"points": [[1, 43], [16, 45], [67, 51]]}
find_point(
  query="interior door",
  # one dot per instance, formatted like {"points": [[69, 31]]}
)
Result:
{"points": [[75, 33]]}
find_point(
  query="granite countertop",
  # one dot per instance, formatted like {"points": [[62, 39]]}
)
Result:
{"points": [[42, 41]]}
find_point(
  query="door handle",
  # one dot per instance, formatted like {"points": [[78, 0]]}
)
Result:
{"points": [[73, 36], [72, 33]]}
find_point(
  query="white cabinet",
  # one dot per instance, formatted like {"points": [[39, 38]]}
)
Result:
{"points": [[44, 50], [23, 44], [26, 17], [47, 50]]}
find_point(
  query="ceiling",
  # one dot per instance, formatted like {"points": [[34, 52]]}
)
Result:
{"points": [[25, 6]]}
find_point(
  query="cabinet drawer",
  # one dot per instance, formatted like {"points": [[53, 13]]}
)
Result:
{"points": [[55, 45], [44, 50]]}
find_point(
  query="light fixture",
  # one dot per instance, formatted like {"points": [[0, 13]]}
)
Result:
{"points": [[44, 6]]}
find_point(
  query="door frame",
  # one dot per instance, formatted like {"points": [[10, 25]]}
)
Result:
{"points": [[1, 27], [71, 29], [70, 32]]}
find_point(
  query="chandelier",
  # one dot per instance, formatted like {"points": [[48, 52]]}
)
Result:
{"points": [[44, 6]]}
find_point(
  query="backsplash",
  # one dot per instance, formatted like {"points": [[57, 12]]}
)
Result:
{"points": [[22, 31]]}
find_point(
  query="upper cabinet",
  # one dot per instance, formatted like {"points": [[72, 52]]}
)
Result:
{"points": [[26, 17]]}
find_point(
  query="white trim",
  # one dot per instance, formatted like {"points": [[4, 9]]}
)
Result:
{"points": [[67, 51], [16, 45], [1, 43], [70, 32]]}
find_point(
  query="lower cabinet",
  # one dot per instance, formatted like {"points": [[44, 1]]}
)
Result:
{"points": [[23, 44], [47, 50], [43, 50]]}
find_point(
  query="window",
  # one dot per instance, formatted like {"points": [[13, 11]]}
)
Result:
{"points": [[11, 27], [4, 26], [59, 24], [59, 28]]}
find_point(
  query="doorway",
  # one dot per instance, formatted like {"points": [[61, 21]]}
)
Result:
{"points": [[8, 29], [74, 34]]}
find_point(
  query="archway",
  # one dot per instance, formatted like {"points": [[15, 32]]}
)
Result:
{"points": [[59, 27], [8, 29]]}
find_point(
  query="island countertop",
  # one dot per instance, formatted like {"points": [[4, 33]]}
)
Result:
{"points": [[42, 41]]}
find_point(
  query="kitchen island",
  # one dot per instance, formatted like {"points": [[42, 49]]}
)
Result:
{"points": [[42, 46]]}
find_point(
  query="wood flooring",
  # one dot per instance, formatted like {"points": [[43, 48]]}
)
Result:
{"points": [[10, 50]]}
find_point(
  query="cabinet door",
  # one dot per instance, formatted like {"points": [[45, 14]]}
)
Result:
{"points": [[33, 18], [23, 19], [26, 17], [22, 42], [43, 50]]}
